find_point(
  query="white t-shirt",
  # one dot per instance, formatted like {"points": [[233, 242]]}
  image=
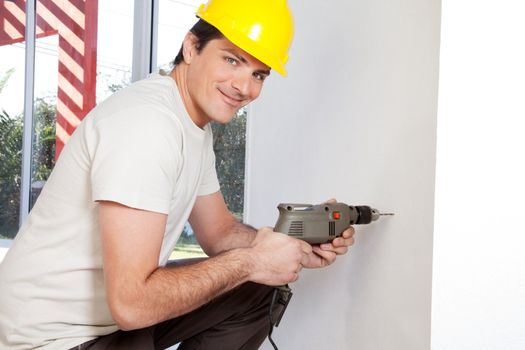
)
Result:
{"points": [[138, 148]]}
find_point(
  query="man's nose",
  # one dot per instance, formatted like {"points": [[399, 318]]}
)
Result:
{"points": [[242, 84]]}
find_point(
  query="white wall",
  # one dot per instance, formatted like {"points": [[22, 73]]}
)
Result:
{"points": [[356, 120], [479, 263]]}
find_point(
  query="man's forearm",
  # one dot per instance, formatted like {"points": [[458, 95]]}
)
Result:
{"points": [[173, 291], [236, 235]]}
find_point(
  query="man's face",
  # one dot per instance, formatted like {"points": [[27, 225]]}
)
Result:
{"points": [[221, 79]]}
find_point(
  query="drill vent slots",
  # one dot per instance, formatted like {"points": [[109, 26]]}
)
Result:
{"points": [[331, 228], [296, 228]]}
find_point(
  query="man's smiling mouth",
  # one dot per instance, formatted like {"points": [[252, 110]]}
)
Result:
{"points": [[232, 101]]}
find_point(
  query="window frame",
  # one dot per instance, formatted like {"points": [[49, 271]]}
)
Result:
{"points": [[29, 91]]}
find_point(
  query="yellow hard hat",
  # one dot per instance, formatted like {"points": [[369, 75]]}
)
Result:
{"points": [[263, 28]]}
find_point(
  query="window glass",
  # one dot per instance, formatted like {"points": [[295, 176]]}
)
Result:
{"points": [[43, 148], [229, 143], [11, 124], [176, 17], [115, 46]]}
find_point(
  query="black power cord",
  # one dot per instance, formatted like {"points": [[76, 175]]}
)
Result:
{"points": [[270, 316], [281, 295]]}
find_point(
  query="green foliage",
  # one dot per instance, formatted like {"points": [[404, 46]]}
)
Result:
{"points": [[187, 236], [10, 167], [229, 143], [44, 144], [42, 159]]}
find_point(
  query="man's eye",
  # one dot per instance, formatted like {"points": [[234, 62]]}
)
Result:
{"points": [[231, 61], [259, 76]]}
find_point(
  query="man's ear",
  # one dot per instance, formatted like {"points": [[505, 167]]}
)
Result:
{"points": [[189, 47]]}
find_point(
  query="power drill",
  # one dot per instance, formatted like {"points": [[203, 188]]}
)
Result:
{"points": [[322, 223]]}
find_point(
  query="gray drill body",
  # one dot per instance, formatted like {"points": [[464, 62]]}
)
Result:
{"points": [[321, 223]]}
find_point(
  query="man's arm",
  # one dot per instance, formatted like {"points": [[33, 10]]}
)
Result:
{"points": [[140, 294], [216, 228]]}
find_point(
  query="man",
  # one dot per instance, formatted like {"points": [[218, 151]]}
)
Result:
{"points": [[89, 268]]}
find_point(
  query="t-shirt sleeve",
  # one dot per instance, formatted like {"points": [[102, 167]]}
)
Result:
{"points": [[136, 160], [209, 183]]}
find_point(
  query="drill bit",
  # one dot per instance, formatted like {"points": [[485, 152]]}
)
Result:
{"points": [[376, 214]]}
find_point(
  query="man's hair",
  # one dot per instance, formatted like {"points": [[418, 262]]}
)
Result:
{"points": [[204, 32]]}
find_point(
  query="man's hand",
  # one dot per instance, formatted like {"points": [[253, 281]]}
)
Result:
{"points": [[277, 258], [325, 254]]}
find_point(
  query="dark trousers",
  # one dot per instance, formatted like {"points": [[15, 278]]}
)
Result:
{"points": [[238, 319]]}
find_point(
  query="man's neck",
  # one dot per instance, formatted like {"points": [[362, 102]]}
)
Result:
{"points": [[179, 75]]}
